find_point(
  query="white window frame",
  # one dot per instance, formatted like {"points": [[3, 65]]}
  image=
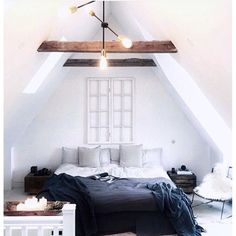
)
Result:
{"points": [[111, 110]]}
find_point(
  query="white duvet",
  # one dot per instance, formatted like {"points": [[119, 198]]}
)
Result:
{"points": [[114, 170]]}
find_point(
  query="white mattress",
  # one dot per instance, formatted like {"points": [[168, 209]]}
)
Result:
{"points": [[114, 170]]}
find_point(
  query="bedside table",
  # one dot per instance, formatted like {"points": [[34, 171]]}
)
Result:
{"points": [[186, 182], [34, 183]]}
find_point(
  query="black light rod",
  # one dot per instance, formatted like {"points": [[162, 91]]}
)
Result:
{"points": [[103, 4], [113, 31], [107, 27], [85, 4], [98, 18], [103, 29]]}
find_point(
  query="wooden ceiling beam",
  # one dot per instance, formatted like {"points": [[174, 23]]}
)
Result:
{"points": [[111, 47], [130, 62]]}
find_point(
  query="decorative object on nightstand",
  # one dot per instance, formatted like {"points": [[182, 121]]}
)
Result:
{"points": [[34, 181], [183, 179]]}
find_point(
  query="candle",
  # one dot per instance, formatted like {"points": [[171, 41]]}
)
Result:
{"points": [[43, 202], [32, 204], [20, 207]]}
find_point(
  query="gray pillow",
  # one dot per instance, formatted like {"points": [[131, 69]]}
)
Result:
{"points": [[69, 155], [89, 157], [131, 155], [105, 157]]}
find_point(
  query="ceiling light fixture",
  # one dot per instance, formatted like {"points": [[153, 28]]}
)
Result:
{"points": [[126, 42], [74, 9]]}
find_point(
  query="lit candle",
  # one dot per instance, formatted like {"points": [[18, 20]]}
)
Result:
{"points": [[20, 207], [32, 204], [43, 202]]}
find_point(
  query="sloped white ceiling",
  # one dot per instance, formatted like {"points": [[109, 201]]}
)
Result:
{"points": [[27, 24], [201, 31]]}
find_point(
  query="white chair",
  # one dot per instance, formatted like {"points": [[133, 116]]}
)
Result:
{"points": [[215, 186]]}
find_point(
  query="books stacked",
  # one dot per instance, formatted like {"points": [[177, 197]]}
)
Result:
{"points": [[184, 172]]}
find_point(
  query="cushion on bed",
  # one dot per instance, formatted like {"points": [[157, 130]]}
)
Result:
{"points": [[69, 155], [105, 157], [89, 157], [115, 155], [131, 155], [152, 157]]}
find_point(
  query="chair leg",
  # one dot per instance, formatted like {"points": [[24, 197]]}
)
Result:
{"points": [[222, 210]]}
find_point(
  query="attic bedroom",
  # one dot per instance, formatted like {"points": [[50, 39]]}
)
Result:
{"points": [[117, 118]]}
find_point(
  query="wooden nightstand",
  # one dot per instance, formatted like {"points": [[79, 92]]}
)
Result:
{"points": [[33, 183], [186, 182]]}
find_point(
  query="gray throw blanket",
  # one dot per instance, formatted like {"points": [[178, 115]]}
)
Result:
{"points": [[64, 187], [174, 203]]}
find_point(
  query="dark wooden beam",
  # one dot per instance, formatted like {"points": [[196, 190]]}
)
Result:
{"points": [[111, 47], [130, 62]]}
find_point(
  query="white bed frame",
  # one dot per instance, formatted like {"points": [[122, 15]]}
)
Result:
{"points": [[42, 225]]}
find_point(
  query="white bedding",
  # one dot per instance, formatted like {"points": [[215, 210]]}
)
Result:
{"points": [[114, 170]]}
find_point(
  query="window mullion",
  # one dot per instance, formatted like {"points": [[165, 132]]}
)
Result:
{"points": [[122, 111], [110, 110], [132, 111], [99, 112]]}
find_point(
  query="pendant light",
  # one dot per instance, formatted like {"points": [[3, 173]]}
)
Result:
{"points": [[126, 42]]}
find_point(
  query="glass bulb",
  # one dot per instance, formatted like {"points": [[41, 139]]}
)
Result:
{"points": [[127, 43], [103, 60], [73, 9], [91, 13], [103, 63]]}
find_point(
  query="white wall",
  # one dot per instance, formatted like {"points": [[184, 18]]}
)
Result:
{"points": [[201, 31], [23, 65], [62, 122]]}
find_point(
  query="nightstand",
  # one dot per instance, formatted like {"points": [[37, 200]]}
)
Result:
{"points": [[34, 183], [186, 182]]}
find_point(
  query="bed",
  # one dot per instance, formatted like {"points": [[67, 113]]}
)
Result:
{"points": [[126, 203]]}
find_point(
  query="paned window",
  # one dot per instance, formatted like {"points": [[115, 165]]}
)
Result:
{"points": [[110, 110]]}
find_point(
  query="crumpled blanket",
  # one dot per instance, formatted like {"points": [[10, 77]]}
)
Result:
{"points": [[175, 204], [64, 187]]}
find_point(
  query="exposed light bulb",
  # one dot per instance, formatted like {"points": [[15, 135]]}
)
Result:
{"points": [[73, 9], [91, 13], [103, 60], [127, 43]]}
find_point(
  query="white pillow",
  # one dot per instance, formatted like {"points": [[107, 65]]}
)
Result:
{"points": [[152, 157], [69, 155], [115, 155], [89, 157], [131, 155], [105, 157]]}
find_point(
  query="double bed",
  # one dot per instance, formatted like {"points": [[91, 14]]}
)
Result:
{"points": [[129, 199], [121, 206]]}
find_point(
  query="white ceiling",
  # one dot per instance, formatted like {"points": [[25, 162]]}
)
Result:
{"points": [[201, 31]]}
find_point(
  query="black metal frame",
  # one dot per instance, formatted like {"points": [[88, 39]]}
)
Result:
{"points": [[209, 201], [85, 4], [104, 24]]}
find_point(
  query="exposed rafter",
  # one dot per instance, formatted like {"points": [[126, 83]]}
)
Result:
{"points": [[130, 62], [111, 47]]}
